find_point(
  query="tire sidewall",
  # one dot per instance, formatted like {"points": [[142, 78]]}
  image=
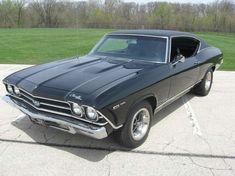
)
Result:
{"points": [[126, 131], [200, 89], [206, 91]]}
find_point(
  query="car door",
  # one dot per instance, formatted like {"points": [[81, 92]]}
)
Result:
{"points": [[183, 74]]}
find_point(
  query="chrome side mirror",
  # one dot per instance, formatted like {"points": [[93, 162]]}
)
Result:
{"points": [[179, 59], [182, 59]]}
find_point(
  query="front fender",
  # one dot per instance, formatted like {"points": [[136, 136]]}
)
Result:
{"points": [[118, 112]]}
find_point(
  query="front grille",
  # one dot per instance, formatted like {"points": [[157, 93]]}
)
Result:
{"points": [[47, 105], [52, 106]]}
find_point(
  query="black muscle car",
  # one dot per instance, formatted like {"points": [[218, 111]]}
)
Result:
{"points": [[118, 86]]}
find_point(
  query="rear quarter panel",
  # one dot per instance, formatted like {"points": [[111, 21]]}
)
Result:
{"points": [[208, 57]]}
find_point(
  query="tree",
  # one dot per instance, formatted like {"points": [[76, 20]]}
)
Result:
{"points": [[47, 11], [19, 6], [162, 15], [216, 16]]}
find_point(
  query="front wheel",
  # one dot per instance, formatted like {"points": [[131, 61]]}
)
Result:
{"points": [[204, 87], [137, 126]]}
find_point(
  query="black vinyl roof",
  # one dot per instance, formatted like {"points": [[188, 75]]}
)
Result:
{"points": [[164, 33], [167, 33]]}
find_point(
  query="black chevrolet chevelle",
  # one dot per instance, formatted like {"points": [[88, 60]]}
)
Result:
{"points": [[118, 86]]}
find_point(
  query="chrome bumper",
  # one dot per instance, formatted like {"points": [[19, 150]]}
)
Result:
{"points": [[219, 64], [50, 121]]}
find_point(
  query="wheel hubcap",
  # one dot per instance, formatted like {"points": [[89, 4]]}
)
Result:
{"points": [[208, 81], [140, 124]]}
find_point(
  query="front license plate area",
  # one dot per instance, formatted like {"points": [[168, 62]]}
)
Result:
{"points": [[38, 121], [55, 125]]}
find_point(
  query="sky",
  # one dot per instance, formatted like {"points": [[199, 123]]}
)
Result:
{"points": [[178, 1], [174, 1]]}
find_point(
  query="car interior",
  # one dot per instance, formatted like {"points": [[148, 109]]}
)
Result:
{"points": [[184, 46], [153, 50]]}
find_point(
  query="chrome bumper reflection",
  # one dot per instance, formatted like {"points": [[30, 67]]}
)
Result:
{"points": [[48, 120], [219, 64]]}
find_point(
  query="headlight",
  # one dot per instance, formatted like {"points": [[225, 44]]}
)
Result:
{"points": [[78, 110], [91, 114], [17, 90], [10, 89]]}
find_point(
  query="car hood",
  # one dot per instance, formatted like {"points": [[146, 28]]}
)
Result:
{"points": [[76, 78]]}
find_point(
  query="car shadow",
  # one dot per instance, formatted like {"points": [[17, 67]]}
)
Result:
{"points": [[79, 145], [170, 108]]}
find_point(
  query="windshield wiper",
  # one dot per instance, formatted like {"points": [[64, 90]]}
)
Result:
{"points": [[117, 58]]}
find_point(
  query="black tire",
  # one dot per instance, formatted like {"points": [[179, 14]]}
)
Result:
{"points": [[202, 88], [125, 134]]}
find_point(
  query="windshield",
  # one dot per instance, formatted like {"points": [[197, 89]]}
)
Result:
{"points": [[152, 49]]}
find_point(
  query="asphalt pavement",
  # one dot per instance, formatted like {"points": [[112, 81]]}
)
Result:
{"points": [[192, 136]]}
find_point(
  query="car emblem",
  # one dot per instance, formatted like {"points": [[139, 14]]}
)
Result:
{"points": [[119, 105], [78, 97], [36, 103]]}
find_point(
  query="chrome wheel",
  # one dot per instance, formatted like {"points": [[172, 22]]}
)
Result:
{"points": [[208, 80], [140, 124]]}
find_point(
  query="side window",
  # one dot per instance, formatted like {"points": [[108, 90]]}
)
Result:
{"points": [[185, 46]]}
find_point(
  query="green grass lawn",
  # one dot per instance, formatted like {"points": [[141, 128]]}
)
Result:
{"points": [[35, 46], [226, 42]]}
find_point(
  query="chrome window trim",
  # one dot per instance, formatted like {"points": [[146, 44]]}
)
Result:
{"points": [[153, 36], [183, 36]]}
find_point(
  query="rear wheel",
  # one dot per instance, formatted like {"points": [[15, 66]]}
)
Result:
{"points": [[136, 129], [204, 87]]}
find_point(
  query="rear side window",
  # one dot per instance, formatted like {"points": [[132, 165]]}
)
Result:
{"points": [[185, 46]]}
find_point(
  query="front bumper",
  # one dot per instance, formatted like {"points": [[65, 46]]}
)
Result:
{"points": [[58, 122], [219, 64]]}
